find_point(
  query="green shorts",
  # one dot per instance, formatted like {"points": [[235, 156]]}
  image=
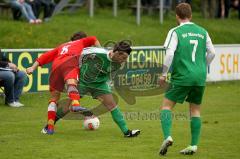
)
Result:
{"points": [[192, 94], [94, 90]]}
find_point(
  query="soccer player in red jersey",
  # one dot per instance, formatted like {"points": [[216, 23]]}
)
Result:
{"points": [[65, 70]]}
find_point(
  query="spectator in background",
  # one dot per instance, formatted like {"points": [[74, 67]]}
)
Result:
{"points": [[209, 8], [12, 80], [147, 2], [236, 5], [36, 6], [48, 8], [184, 1], [223, 8], [150, 3], [26, 10]]}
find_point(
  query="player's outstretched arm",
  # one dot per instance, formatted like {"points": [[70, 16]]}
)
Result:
{"points": [[30, 70]]}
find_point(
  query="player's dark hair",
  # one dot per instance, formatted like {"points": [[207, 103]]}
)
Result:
{"points": [[78, 35], [123, 46], [183, 10]]}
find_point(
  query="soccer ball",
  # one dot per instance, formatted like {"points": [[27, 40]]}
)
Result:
{"points": [[91, 123]]}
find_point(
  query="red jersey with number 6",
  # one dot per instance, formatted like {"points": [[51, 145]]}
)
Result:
{"points": [[65, 61]]}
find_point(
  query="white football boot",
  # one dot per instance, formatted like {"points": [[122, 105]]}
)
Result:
{"points": [[190, 150], [166, 143]]}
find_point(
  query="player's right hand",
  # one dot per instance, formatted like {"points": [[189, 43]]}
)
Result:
{"points": [[29, 70], [162, 81]]}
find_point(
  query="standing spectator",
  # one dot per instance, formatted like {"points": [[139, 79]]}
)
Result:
{"points": [[223, 8], [209, 8], [236, 5], [25, 9], [226, 5], [12, 80]]}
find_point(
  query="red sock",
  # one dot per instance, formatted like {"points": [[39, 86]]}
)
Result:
{"points": [[73, 94], [51, 119], [51, 114], [75, 103]]}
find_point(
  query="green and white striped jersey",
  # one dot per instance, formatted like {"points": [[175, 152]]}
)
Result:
{"points": [[96, 66]]}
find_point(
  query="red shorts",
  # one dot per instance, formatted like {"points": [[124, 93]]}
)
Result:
{"points": [[62, 70]]}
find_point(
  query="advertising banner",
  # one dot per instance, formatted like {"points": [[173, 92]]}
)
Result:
{"points": [[226, 64], [142, 70], [24, 58]]}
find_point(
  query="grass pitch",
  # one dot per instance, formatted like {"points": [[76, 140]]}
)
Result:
{"points": [[20, 135]]}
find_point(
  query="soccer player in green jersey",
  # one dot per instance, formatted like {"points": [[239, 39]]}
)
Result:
{"points": [[189, 51], [96, 68]]}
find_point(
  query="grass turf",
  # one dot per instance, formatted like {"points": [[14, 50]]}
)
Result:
{"points": [[20, 128], [20, 135]]}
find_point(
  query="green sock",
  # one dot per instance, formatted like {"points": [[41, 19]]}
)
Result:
{"points": [[166, 121], [195, 129], [119, 120]]}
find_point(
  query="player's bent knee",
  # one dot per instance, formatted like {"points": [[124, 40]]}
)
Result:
{"points": [[166, 108], [110, 105], [110, 108], [71, 82], [195, 112], [167, 104]]}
